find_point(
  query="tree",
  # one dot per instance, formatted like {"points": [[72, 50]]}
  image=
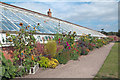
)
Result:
{"points": [[118, 33]]}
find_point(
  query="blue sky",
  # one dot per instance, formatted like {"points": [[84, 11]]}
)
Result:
{"points": [[93, 14]]}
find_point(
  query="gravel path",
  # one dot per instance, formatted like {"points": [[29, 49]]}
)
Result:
{"points": [[86, 67]]}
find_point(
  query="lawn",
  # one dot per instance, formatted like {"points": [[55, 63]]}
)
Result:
{"points": [[110, 67]]}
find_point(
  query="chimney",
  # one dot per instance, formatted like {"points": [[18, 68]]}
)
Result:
{"points": [[49, 13]]}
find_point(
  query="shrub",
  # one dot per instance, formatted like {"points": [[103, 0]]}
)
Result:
{"points": [[53, 63], [50, 48], [9, 70], [84, 51], [63, 57], [40, 48], [74, 55], [59, 48], [24, 42], [47, 63], [44, 62]]}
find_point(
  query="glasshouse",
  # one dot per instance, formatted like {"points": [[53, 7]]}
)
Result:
{"points": [[30, 40]]}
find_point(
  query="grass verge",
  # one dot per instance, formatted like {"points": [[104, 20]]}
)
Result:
{"points": [[110, 67]]}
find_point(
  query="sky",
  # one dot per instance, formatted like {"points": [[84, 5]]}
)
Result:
{"points": [[94, 14]]}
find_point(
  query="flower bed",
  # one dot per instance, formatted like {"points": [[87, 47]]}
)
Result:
{"points": [[29, 53]]}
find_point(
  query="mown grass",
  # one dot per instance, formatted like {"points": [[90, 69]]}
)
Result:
{"points": [[110, 67]]}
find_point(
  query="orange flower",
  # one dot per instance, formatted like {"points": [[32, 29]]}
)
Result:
{"points": [[6, 34], [10, 40], [34, 27], [21, 24], [32, 57], [28, 26], [87, 50]]}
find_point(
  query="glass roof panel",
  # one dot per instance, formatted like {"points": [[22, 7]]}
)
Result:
{"points": [[13, 16]]}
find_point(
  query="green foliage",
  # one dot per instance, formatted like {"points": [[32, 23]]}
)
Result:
{"points": [[60, 48], [118, 33], [74, 55], [63, 57], [24, 42], [57, 36], [110, 67], [84, 51], [9, 70], [47, 63], [50, 48], [44, 62]]}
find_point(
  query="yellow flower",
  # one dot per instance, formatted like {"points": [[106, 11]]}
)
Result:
{"points": [[74, 32], [72, 45], [53, 63], [71, 37]]}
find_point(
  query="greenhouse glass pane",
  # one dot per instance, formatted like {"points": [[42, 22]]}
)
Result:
{"points": [[3, 27], [41, 24], [9, 24]]}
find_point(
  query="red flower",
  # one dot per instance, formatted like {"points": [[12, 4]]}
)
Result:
{"points": [[77, 50], [59, 40]]}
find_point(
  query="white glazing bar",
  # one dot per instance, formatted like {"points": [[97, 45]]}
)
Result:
{"points": [[5, 26], [23, 20], [10, 21], [41, 24], [87, 31], [9, 24], [37, 23], [56, 26], [47, 24], [64, 26]]}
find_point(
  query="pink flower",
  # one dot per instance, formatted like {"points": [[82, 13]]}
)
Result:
{"points": [[67, 44], [69, 47], [51, 37]]}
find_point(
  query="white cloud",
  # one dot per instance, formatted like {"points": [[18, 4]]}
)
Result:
{"points": [[77, 0], [107, 27], [78, 12], [60, 0]]}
